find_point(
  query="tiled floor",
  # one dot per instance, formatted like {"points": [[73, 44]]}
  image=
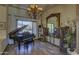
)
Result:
{"points": [[39, 48]]}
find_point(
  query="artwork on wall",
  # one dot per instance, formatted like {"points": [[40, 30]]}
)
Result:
{"points": [[2, 25]]}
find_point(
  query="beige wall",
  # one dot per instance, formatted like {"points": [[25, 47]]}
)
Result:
{"points": [[3, 33], [77, 27], [67, 13], [3, 18], [14, 14]]}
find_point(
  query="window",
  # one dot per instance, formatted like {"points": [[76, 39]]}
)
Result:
{"points": [[32, 26], [21, 23], [51, 28]]}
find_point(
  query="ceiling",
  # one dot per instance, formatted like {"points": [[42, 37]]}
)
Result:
{"points": [[44, 6]]}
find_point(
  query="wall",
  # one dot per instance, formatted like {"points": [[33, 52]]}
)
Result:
{"points": [[16, 14], [3, 32], [67, 13], [77, 27], [9, 14], [13, 14]]}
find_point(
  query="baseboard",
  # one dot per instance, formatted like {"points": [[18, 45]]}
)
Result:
{"points": [[53, 44]]}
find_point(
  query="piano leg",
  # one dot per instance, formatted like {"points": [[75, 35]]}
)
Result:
{"points": [[19, 45], [33, 42], [14, 42], [26, 46]]}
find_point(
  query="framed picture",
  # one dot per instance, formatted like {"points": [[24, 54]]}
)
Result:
{"points": [[2, 25]]}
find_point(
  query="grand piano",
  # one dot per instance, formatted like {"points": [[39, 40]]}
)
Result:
{"points": [[24, 37]]}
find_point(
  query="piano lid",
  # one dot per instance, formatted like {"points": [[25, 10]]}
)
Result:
{"points": [[18, 29]]}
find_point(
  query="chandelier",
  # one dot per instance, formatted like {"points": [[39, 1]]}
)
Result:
{"points": [[33, 10]]}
